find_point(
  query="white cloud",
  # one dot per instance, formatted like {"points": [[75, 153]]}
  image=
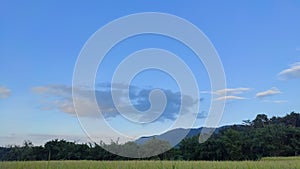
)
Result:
{"points": [[229, 98], [4, 92], [271, 92], [291, 73]]}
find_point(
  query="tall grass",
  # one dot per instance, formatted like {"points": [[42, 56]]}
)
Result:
{"points": [[265, 163]]}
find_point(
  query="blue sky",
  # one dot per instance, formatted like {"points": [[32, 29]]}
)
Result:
{"points": [[258, 43]]}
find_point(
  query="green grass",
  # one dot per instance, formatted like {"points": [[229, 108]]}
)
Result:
{"points": [[265, 163]]}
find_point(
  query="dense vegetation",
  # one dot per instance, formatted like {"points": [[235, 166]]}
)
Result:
{"points": [[262, 137]]}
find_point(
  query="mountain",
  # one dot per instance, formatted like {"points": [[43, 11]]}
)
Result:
{"points": [[174, 136]]}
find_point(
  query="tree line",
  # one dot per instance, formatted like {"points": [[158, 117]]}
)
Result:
{"points": [[252, 140], [262, 137]]}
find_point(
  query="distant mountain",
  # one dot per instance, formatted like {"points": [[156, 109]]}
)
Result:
{"points": [[174, 136]]}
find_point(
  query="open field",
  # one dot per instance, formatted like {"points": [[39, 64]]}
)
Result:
{"points": [[266, 163]]}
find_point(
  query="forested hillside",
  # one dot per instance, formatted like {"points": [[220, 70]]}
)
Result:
{"points": [[261, 137]]}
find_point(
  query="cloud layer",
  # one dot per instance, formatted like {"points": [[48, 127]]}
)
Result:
{"points": [[59, 97], [291, 73], [4, 92]]}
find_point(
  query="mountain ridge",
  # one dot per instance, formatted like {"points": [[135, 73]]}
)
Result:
{"points": [[174, 136]]}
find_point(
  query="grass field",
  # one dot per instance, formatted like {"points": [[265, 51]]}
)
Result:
{"points": [[266, 163]]}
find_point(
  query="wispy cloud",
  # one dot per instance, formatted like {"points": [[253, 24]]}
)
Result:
{"points": [[60, 97], [271, 92], [228, 91], [4, 92], [291, 73], [230, 98], [232, 91], [276, 101]]}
